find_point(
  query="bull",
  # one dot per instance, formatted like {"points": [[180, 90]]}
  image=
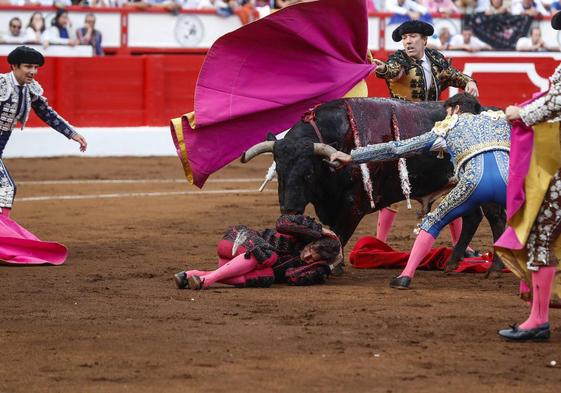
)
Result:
{"points": [[339, 197]]}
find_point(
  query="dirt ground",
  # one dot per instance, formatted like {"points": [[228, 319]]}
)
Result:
{"points": [[111, 319]]}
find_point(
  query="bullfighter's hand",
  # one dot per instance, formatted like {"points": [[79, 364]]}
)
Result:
{"points": [[342, 158], [81, 140], [380, 65], [471, 88], [512, 113]]}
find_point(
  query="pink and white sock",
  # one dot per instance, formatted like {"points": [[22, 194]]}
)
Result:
{"points": [[542, 282], [386, 218], [423, 244]]}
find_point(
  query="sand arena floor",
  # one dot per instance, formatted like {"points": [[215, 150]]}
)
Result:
{"points": [[111, 319]]}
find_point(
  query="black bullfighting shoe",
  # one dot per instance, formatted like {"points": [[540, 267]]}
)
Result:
{"points": [[402, 282], [195, 282], [540, 333], [181, 280], [472, 254]]}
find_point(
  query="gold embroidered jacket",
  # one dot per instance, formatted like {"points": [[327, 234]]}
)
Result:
{"points": [[406, 79]]}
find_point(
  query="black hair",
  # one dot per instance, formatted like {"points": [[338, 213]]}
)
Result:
{"points": [[327, 248], [59, 13], [466, 102]]}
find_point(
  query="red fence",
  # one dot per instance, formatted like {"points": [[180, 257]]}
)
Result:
{"points": [[149, 90]]}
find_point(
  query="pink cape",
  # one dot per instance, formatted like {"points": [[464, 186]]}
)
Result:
{"points": [[21, 247], [262, 77], [521, 147]]}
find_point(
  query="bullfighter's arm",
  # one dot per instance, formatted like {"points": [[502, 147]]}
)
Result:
{"points": [[388, 70], [395, 149], [49, 116], [547, 107], [455, 78]]}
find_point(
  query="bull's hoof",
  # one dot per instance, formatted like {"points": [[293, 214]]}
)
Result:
{"points": [[451, 266], [402, 282]]}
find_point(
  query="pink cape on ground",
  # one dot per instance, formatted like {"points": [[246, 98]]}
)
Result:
{"points": [[21, 247], [262, 77]]}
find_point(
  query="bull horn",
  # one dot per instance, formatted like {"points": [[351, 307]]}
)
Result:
{"points": [[255, 150], [321, 149]]}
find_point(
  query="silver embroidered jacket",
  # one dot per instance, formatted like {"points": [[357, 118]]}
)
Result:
{"points": [[547, 107], [32, 95], [463, 136]]}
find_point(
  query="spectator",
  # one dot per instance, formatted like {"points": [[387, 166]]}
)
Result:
{"points": [[528, 7], [61, 30], [533, 43], [441, 6], [52, 3], [555, 7], [199, 4], [404, 10], [470, 6], [14, 34], [497, 7], [36, 33], [442, 42], [170, 5], [283, 3], [467, 41], [88, 35]]}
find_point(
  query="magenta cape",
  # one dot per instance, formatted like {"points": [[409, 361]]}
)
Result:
{"points": [[21, 247], [521, 147], [262, 77]]}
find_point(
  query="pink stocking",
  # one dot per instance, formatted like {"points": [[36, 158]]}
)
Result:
{"points": [[236, 267], [6, 211], [542, 281], [229, 281], [422, 246], [386, 218]]}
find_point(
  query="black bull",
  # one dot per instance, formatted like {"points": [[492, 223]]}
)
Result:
{"points": [[339, 197]]}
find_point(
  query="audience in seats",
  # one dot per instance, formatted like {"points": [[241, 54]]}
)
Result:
{"points": [[404, 10], [534, 42], [442, 42], [440, 6], [61, 31], [497, 7], [467, 41], [88, 35], [36, 30], [528, 7], [14, 34]]}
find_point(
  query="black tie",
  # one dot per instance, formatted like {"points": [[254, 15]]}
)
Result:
{"points": [[419, 62], [21, 104]]}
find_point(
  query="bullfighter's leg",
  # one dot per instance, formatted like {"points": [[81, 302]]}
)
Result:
{"points": [[480, 183], [238, 266], [386, 217], [7, 190], [542, 262]]}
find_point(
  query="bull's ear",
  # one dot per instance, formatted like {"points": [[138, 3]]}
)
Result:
{"points": [[271, 137]]}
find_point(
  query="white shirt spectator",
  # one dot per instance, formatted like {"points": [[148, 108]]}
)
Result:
{"points": [[199, 4], [50, 3], [482, 5], [474, 42], [31, 36], [518, 7], [405, 7]]}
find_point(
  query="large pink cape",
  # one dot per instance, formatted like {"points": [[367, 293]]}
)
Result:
{"points": [[19, 246], [262, 77]]}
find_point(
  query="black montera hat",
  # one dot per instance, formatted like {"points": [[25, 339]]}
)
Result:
{"points": [[556, 21], [412, 26], [27, 55]]}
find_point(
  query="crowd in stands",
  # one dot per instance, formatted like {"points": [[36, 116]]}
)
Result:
{"points": [[61, 31]]}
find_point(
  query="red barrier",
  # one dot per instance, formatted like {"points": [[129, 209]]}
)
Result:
{"points": [[149, 90]]}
